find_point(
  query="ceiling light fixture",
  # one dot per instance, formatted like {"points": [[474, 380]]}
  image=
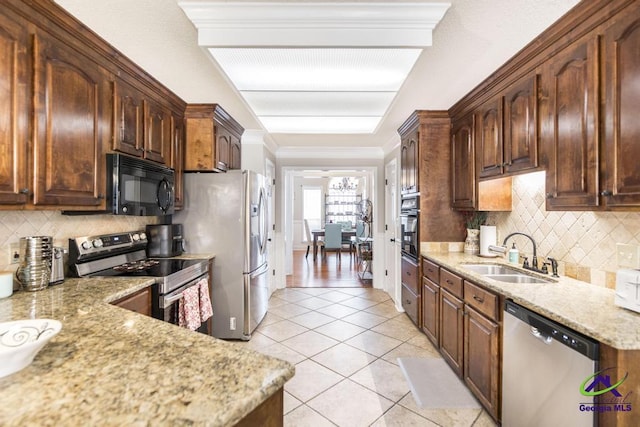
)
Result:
{"points": [[306, 67]]}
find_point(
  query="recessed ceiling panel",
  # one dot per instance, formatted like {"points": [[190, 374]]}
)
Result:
{"points": [[326, 125], [316, 69], [319, 103]]}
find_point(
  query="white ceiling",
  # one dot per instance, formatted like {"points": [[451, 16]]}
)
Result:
{"points": [[473, 39]]}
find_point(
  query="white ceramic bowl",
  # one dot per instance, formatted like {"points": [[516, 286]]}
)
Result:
{"points": [[21, 340]]}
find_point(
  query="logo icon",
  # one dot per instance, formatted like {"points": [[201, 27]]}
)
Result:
{"points": [[604, 380]]}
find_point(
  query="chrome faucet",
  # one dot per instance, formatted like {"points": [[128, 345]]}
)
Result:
{"points": [[534, 261]]}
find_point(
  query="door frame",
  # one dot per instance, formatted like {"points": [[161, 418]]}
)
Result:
{"points": [[392, 277], [286, 219]]}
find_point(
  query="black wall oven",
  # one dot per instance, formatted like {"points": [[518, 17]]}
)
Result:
{"points": [[410, 226]]}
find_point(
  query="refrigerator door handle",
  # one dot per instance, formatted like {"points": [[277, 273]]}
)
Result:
{"points": [[262, 206], [258, 271]]}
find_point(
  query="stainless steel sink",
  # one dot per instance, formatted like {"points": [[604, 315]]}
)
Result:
{"points": [[503, 273], [490, 269], [516, 278]]}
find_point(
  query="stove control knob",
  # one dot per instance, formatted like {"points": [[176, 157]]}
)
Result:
{"points": [[86, 245], [143, 236], [97, 243], [135, 237]]}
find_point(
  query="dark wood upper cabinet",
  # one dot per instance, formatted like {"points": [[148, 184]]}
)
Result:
{"points": [[212, 140], [157, 139], [569, 106], [410, 155], [15, 93], [621, 64], [488, 139], [72, 114], [463, 164], [177, 157], [520, 125], [128, 124]]}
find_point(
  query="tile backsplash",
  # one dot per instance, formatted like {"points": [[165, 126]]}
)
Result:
{"points": [[16, 224], [583, 242]]}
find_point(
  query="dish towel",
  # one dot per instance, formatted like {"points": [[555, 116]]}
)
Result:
{"points": [[206, 311], [189, 308]]}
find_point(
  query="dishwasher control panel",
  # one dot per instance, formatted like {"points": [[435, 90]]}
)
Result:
{"points": [[549, 329]]}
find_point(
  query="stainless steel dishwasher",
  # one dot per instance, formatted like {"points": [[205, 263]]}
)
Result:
{"points": [[544, 365]]}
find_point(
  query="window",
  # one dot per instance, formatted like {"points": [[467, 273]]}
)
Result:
{"points": [[312, 207]]}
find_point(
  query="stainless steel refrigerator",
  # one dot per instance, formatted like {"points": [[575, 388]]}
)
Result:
{"points": [[226, 214]]}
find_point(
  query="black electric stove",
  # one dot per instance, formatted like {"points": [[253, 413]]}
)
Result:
{"points": [[124, 254]]}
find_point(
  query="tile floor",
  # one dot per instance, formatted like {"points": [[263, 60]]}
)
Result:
{"points": [[345, 343]]}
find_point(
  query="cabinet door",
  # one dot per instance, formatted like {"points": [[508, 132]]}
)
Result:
{"points": [[412, 162], [199, 152], [431, 311], [451, 330], [520, 125], [622, 114], [15, 90], [482, 359], [571, 88], [489, 138], [177, 157], [157, 140], [72, 112], [127, 132], [463, 164], [235, 154], [223, 146], [140, 302]]}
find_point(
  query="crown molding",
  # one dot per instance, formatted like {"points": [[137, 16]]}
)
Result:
{"points": [[322, 24], [375, 153]]}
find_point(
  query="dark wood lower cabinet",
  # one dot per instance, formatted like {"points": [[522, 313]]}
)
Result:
{"points": [[451, 330], [269, 413], [431, 311], [482, 359], [411, 304], [139, 301]]}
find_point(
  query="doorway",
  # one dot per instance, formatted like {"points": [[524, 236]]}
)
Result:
{"points": [[301, 187]]}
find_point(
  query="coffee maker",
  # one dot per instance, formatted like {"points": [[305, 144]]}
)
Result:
{"points": [[164, 240]]}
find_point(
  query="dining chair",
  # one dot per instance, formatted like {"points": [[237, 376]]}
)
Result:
{"points": [[310, 238], [333, 238], [346, 239]]}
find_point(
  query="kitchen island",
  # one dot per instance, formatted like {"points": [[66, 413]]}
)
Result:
{"points": [[111, 366]]}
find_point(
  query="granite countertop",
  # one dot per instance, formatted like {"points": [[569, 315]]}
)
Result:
{"points": [[112, 366], [581, 306]]}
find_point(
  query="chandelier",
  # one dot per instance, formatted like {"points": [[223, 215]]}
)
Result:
{"points": [[345, 184]]}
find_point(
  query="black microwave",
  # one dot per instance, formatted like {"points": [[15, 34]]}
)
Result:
{"points": [[139, 187]]}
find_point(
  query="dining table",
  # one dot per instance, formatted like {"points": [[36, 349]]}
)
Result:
{"points": [[348, 232]]}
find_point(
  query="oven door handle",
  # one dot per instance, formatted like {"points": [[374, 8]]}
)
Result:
{"points": [[167, 300]]}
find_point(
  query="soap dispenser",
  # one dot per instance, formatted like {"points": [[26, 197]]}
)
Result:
{"points": [[514, 254]]}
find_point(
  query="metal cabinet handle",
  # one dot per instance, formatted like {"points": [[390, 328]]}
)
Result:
{"points": [[549, 195], [606, 193], [24, 191], [477, 298]]}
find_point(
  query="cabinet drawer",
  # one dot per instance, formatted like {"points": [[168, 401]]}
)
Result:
{"points": [[410, 275], [481, 299], [451, 282], [410, 303], [431, 271]]}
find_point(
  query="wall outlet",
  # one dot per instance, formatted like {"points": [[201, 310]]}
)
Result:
{"points": [[232, 323], [628, 256], [14, 253]]}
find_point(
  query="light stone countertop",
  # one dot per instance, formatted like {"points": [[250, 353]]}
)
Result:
{"points": [[581, 306], [111, 366]]}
